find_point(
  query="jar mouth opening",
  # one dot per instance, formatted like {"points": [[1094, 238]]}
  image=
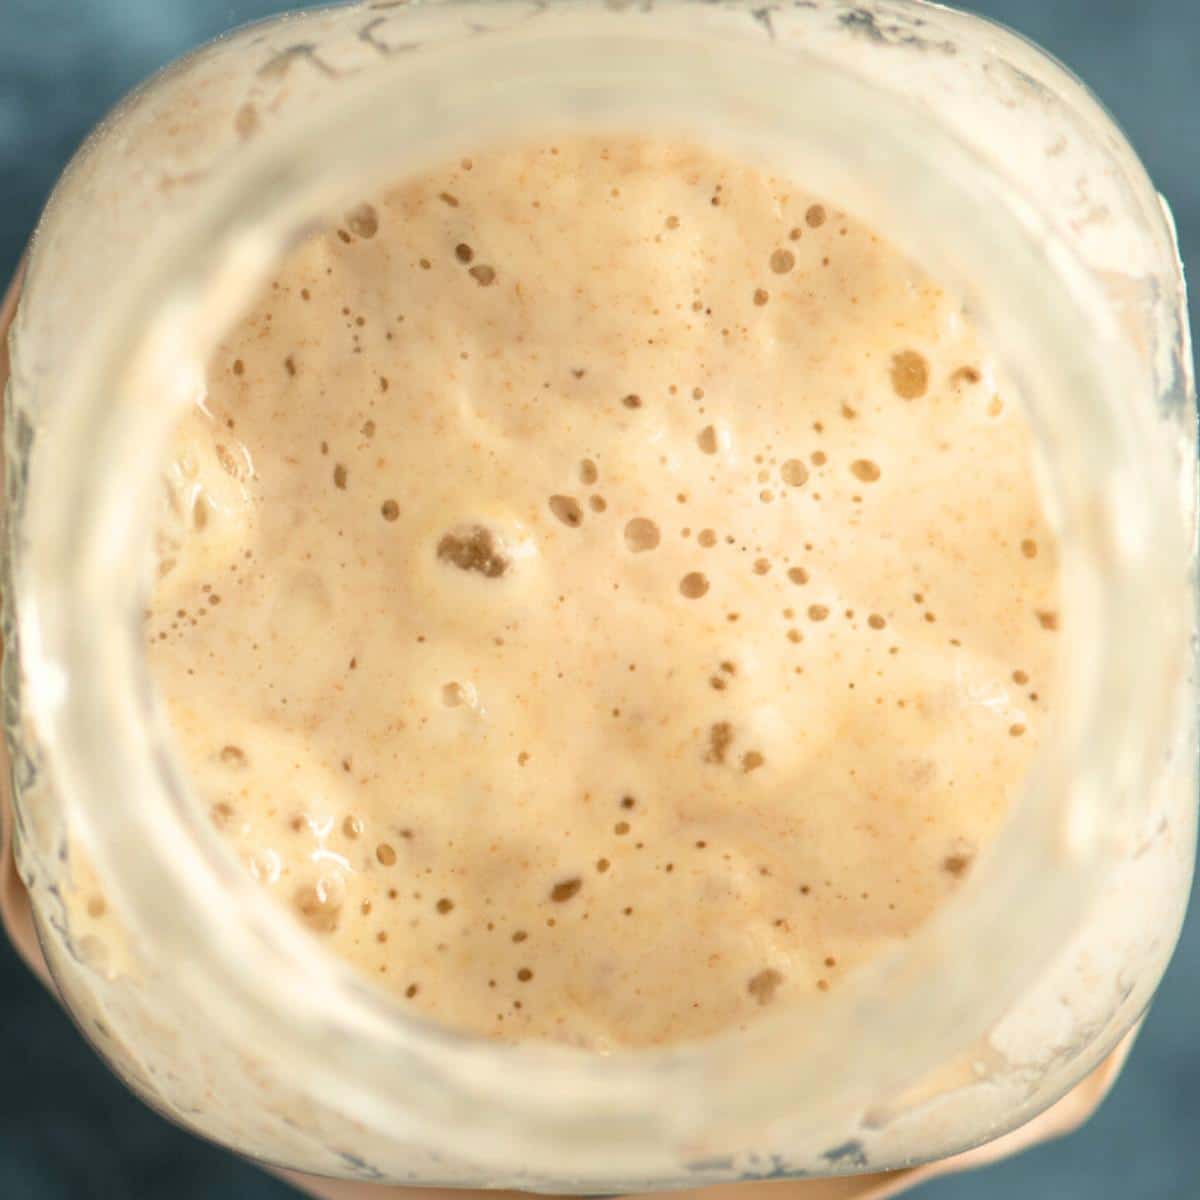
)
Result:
{"points": [[90, 689]]}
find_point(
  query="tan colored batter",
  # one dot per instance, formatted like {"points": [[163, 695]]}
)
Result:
{"points": [[606, 593]]}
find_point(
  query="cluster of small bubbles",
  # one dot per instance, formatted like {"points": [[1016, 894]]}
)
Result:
{"points": [[473, 548]]}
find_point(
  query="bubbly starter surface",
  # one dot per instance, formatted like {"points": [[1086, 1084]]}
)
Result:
{"points": [[604, 593]]}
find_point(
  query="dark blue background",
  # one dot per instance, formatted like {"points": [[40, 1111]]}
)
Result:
{"points": [[68, 1130]]}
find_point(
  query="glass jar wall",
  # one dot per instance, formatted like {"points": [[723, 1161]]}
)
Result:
{"points": [[980, 157]]}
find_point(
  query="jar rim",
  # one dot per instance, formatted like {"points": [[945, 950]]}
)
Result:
{"points": [[89, 688]]}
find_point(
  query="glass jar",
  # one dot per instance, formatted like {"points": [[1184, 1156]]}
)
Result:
{"points": [[977, 154]]}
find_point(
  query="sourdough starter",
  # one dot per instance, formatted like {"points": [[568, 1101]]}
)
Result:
{"points": [[604, 592]]}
